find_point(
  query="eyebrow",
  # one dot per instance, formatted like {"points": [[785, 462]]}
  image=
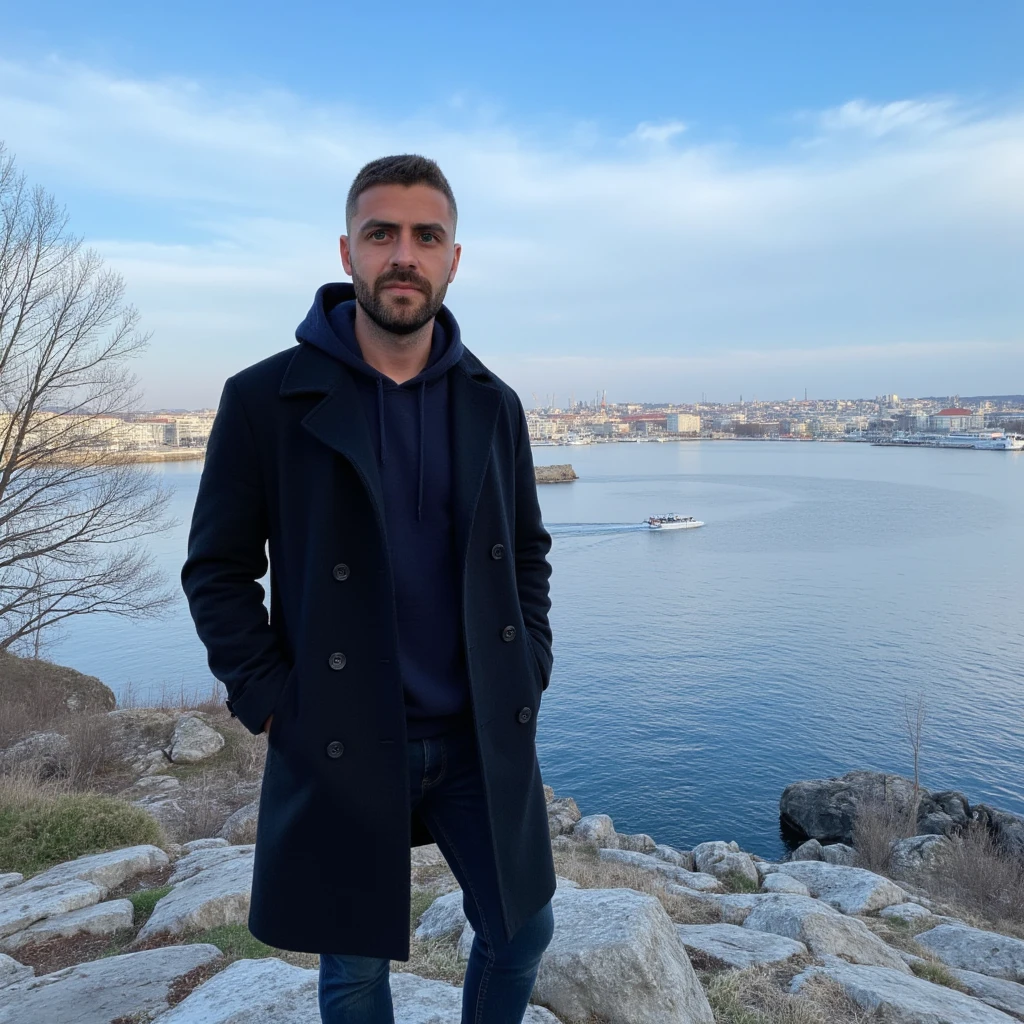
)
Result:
{"points": [[373, 225]]}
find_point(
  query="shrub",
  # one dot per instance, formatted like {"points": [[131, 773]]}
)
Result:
{"points": [[983, 879], [877, 824], [41, 825]]}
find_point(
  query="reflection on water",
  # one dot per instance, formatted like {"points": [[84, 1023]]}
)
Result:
{"points": [[697, 672]]}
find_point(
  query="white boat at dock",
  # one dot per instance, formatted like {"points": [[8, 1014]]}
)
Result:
{"points": [[671, 521]]}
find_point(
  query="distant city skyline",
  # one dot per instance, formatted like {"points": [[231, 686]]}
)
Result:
{"points": [[724, 201]]}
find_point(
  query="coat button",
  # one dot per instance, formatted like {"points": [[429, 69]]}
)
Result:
{"points": [[337, 661], [341, 571], [498, 551], [525, 714], [335, 749], [508, 634]]}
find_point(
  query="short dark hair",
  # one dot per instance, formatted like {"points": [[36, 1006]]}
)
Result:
{"points": [[406, 169]]}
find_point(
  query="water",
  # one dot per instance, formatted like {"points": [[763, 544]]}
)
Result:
{"points": [[698, 672]]}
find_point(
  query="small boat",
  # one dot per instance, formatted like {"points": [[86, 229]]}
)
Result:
{"points": [[672, 522]]}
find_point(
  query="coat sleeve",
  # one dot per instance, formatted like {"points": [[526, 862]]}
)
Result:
{"points": [[533, 543], [226, 557]]}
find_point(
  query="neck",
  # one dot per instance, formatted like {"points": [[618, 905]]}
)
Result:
{"points": [[398, 356]]}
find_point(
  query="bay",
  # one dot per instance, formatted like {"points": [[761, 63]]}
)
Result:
{"points": [[698, 672]]}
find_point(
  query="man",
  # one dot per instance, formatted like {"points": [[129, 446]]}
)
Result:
{"points": [[400, 672]]}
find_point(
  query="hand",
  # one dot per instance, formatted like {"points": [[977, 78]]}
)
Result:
{"points": [[266, 724]]}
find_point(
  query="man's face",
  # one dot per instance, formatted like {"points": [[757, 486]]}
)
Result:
{"points": [[401, 254]]}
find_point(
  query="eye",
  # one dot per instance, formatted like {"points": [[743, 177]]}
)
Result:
{"points": [[428, 236], [379, 235]]}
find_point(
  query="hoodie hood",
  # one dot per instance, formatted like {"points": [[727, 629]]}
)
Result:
{"points": [[330, 326]]}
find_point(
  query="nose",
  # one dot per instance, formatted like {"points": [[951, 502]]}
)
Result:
{"points": [[404, 253]]}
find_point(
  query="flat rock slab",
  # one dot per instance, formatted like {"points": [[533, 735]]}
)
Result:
{"points": [[822, 930], [972, 949], [997, 992], [905, 912], [98, 991], [696, 881], [12, 972], [213, 895], [657, 866], [10, 878], [265, 991], [850, 890], [902, 999], [420, 1001], [739, 947], [779, 882], [616, 953], [107, 870], [206, 857], [99, 919], [21, 907]]}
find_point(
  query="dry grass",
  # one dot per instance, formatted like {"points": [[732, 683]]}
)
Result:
{"points": [[183, 700], [876, 826], [754, 996], [583, 865], [937, 974], [202, 812], [980, 880]]}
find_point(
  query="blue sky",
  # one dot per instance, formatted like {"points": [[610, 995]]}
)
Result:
{"points": [[660, 200]]}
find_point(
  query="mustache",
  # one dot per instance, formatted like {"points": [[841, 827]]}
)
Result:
{"points": [[403, 277]]}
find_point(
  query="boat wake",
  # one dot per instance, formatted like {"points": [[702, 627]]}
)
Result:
{"points": [[593, 529]]}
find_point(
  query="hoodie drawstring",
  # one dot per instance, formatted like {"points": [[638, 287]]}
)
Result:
{"points": [[419, 493]]}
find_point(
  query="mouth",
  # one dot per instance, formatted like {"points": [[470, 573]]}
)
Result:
{"points": [[402, 286]]}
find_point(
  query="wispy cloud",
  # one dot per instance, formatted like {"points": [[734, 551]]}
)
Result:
{"points": [[874, 228]]}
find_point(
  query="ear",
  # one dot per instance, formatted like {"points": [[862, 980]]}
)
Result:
{"points": [[455, 262], [346, 254]]}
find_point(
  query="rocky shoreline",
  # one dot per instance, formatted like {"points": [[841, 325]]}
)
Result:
{"points": [[645, 933], [561, 474]]}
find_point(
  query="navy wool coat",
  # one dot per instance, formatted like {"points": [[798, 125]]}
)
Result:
{"points": [[290, 474]]}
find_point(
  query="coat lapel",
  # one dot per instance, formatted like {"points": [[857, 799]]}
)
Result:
{"points": [[338, 419], [475, 408]]}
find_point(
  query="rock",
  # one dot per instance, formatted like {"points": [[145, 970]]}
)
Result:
{"points": [[696, 881], [839, 853], [937, 823], [722, 860], [972, 949], [10, 878], [11, 972], [615, 953], [241, 825], [443, 917], [139, 732], [681, 858], [900, 998], [825, 808], [1007, 829], [106, 870], [204, 857], [215, 894], [739, 947], [40, 753], [21, 907], [732, 908], [209, 843], [905, 912], [596, 828], [98, 991], [562, 474], [811, 850], [851, 890], [265, 991], [660, 867], [640, 842], [784, 883], [955, 805], [421, 1001], [549, 793], [562, 815], [822, 930], [99, 919], [1003, 995], [921, 856], [194, 740]]}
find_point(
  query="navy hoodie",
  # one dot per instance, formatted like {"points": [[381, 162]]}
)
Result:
{"points": [[410, 427]]}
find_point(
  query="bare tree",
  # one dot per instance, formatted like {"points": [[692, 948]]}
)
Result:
{"points": [[73, 508], [914, 718]]}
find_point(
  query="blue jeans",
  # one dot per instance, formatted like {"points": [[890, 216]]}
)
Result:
{"points": [[446, 787]]}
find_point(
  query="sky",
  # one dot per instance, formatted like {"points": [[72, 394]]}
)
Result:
{"points": [[659, 201]]}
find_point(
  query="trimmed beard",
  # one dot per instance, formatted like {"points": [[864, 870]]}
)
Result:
{"points": [[400, 322]]}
